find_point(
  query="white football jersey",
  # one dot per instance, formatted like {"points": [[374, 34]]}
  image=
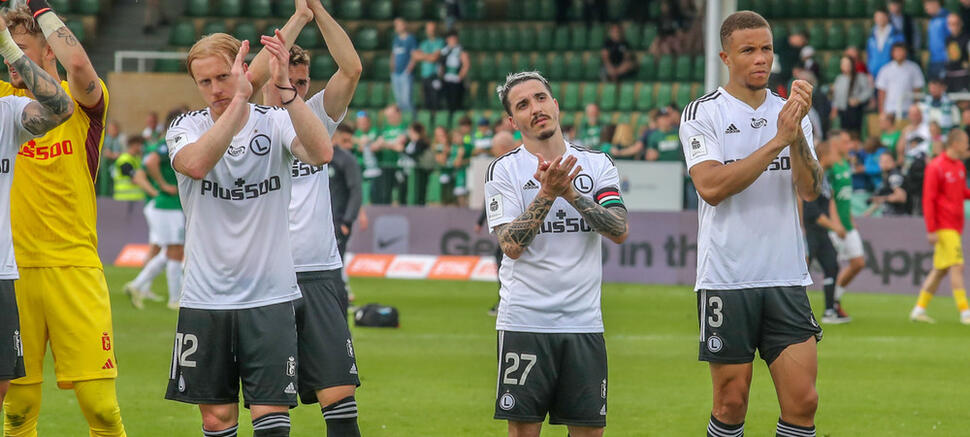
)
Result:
{"points": [[752, 239], [237, 246], [12, 135], [555, 284], [312, 235]]}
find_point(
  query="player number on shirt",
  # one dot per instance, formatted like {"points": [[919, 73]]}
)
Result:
{"points": [[716, 318], [514, 360], [185, 346], [4, 166]]}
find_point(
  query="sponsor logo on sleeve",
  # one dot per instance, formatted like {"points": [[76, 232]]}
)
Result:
{"points": [[495, 206], [698, 146]]}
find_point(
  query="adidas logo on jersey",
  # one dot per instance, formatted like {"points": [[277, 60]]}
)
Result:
{"points": [[353, 369], [530, 185], [290, 389], [732, 129], [108, 365]]}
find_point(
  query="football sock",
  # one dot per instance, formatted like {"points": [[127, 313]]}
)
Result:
{"points": [[341, 417], [99, 403], [829, 287], [272, 425], [173, 272], [924, 299], [148, 273], [228, 432], [960, 297], [716, 428], [785, 429], [21, 409], [839, 291]]}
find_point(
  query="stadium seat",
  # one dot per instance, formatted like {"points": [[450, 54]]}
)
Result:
{"points": [[528, 11], [488, 67], [590, 94], [580, 37], [504, 66], [567, 118], [555, 87], [77, 28], [547, 9], [561, 38], [424, 117], [836, 36], [645, 97], [382, 68], [322, 66], [245, 31], [763, 7], [441, 119], [230, 8], [365, 39], [683, 96], [593, 67], [649, 34], [283, 9], [473, 38], [557, 66], [836, 8], [259, 9], [608, 96], [541, 64], [412, 9], [380, 9], [627, 96], [816, 35], [167, 66], [214, 26], [544, 38], [653, 10], [309, 37], [523, 62], [634, 35], [796, 27], [496, 40], [574, 66], [665, 95], [351, 9], [88, 7], [856, 9], [378, 96], [665, 68], [648, 68], [359, 100], [872, 6], [512, 38], [699, 67], [682, 68], [615, 10], [914, 8], [570, 96], [832, 66], [193, 8], [779, 8], [182, 34], [527, 38], [596, 37], [856, 35], [483, 95]]}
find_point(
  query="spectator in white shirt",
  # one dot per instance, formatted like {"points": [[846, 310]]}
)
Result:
{"points": [[898, 83]]}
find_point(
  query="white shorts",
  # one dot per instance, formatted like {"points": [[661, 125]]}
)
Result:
{"points": [[165, 226], [848, 248]]}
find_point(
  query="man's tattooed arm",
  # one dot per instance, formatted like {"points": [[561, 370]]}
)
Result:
{"points": [[610, 222], [53, 105], [807, 172], [516, 235]]}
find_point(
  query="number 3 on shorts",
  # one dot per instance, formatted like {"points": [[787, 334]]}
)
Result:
{"points": [[514, 359], [715, 318]]}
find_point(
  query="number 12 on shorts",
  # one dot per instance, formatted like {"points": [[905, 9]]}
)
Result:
{"points": [[514, 360], [185, 346]]}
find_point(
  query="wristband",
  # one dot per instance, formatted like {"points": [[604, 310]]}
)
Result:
{"points": [[38, 7], [8, 48], [291, 88], [49, 23]]}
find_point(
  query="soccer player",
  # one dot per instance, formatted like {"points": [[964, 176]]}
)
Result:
{"points": [[845, 237], [169, 220], [749, 154], [21, 119], [548, 217], [328, 369], [237, 311], [819, 221], [62, 294], [944, 190], [346, 192]]}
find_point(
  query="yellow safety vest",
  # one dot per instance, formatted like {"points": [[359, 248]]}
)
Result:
{"points": [[125, 189]]}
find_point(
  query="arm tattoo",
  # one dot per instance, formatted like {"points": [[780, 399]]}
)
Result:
{"points": [[813, 167], [90, 88], [516, 235], [53, 105], [65, 34], [610, 222]]}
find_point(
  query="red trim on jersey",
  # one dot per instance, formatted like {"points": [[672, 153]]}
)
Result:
{"points": [[93, 141]]}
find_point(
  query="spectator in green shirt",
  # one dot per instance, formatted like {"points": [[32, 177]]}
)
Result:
{"points": [[428, 53], [889, 136], [388, 148], [590, 130], [663, 144]]}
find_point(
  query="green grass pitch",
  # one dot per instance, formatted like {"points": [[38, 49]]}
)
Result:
{"points": [[435, 376]]}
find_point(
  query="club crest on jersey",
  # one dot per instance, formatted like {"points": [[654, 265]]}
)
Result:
{"points": [[291, 367], [260, 144], [105, 341], [758, 123], [698, 146], [235, 150], [714, 344], [583, 183], [506, 402]]}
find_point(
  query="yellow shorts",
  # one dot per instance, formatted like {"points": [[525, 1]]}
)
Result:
{"points": [[70, 307], [948, 251]]}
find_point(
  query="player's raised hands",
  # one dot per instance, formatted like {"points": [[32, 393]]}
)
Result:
{"points": [[279, 61], [557, 179], [240, 73], [801, 92], [790, 121]]}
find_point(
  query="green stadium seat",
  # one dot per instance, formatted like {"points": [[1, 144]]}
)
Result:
{"points": [[167, 66], [683, 96], [544, 38], [645, 100], [593, 67], [699, 67], [590, 94], [246, 31], [493, 101], [570, 96], [441, 119], [496, 40], [634, 35], [557, 66], [417, 99], [914, 8], [615, 10], [574, 66], [653, 10], [796, 27], [351, 9], [812, 9], [322, 66], [475, 9], [627, 96], [382, 68], [856, 35], [412, 9], [61, 6], [579, 38], [424, 117], [88, 7], [214, 26], [608, 97], [528, 11], [483, 95], [527, 38], [649, 34], [512, 38], [648, 68], [504, 66], [682, 68], [541, 64], [259, 9], [665, 95], [487, 66], [836, 36], [378, 96], [665, 68], [182, 34], [380, 9], [474, 38], [856, 9], [836, 8], [779, 32], [597, 34], [523, 62], [193, 8], [872, 6], [77, 28], [283, 9], [359, 100], [309, 38], [744, 5], [567, 118], [365, 39], [555, 87], [817, 36], [779, 9], [560, 39], [230, 8], [763, 7], [832, 66], [547, 9]]}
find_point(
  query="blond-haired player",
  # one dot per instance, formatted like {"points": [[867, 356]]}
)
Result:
{"points": [[62, 294]]}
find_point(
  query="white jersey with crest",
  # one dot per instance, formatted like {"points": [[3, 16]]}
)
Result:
{"points": [[312, 236], [237, 245], [554, 286], [752, 239], [12, 135]]}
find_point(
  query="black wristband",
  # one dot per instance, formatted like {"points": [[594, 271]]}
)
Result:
{"points": [[38, 7], [291, 88]]}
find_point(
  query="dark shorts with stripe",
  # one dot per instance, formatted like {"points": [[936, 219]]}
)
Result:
{"points": [[562, 374], [733, 323], [216, 349], [11, 348], [326, 349]]}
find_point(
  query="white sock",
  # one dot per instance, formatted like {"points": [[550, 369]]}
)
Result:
{"points": [[839, 291], [173, 271], [148, 273]]}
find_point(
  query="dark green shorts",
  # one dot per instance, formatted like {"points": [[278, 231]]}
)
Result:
{"points": [[11, 348], [733, 323], [216, 349], [326, 349], [563, 375]]}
